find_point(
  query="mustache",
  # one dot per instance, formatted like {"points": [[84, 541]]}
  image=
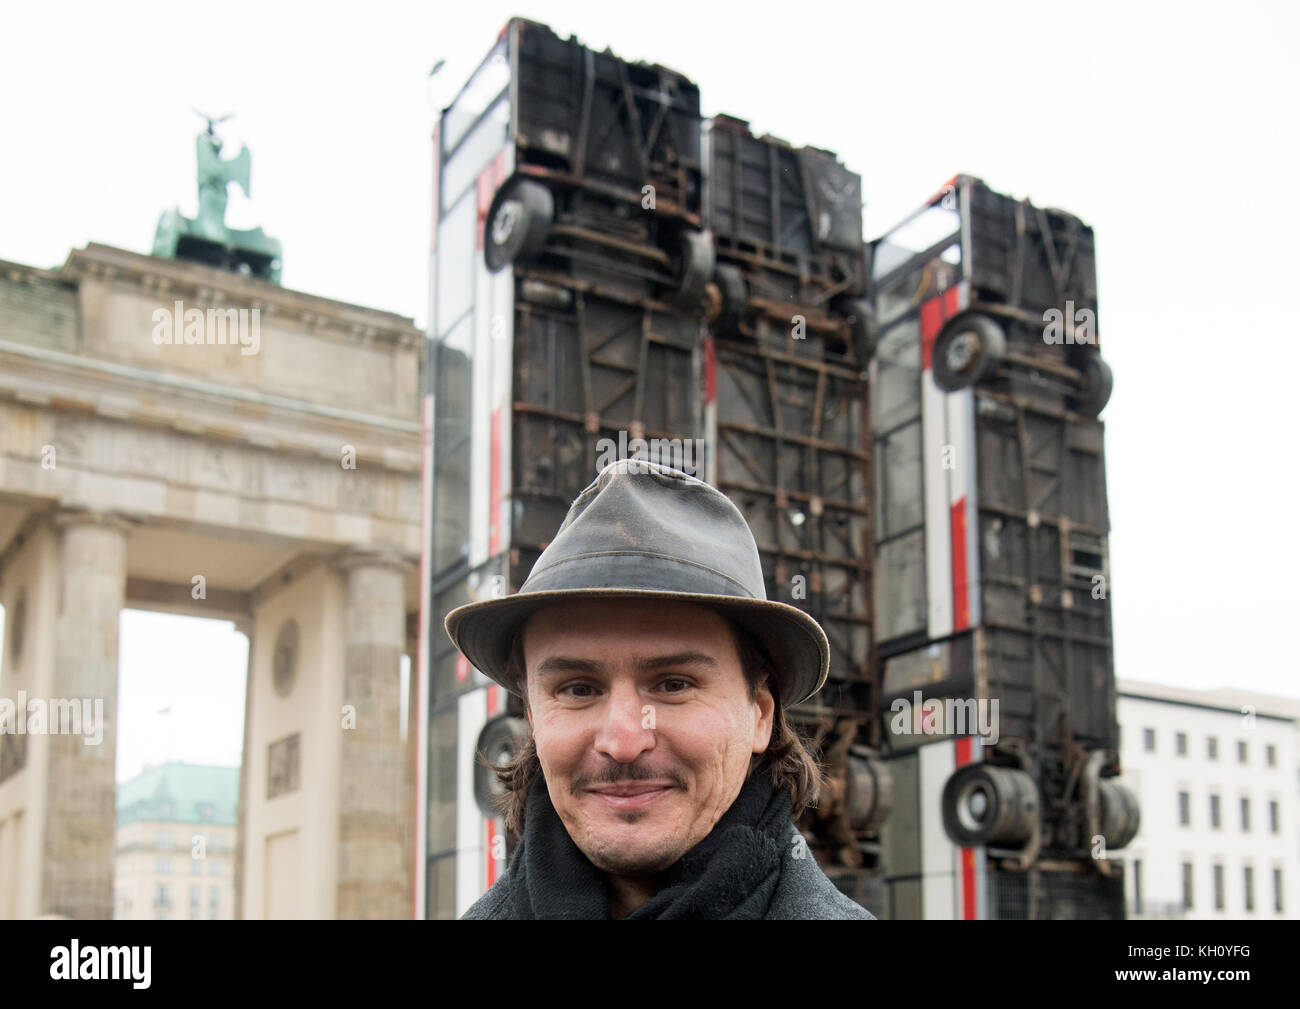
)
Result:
{"points": [[614, 771]]}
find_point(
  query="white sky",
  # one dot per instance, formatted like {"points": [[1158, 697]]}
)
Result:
{"points": [[1171, 128]]}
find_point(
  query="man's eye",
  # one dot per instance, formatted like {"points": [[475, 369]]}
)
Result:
{"points": [[578, 690], [676, 685]]}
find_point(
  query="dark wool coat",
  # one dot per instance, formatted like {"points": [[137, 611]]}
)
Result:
{"points": [[804, 891]]}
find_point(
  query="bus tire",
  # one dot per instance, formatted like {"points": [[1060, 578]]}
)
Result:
{"points": [[863, 334], [732, 296], [517, 223], [985, 804], [1098, 382], [967, 351], [500, 741], [694, 255]]}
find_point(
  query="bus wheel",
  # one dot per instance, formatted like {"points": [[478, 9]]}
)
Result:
{"points": [[517, 223], [967, 351], [1120, 814], [694, 255], [861, 320], [1097, 385], [984, 804], [732, 296], [500, 741]]}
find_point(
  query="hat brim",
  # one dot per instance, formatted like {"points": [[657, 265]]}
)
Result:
{"points": [[795, 641]]}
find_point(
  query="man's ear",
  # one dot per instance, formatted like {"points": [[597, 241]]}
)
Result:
{"points": [[766, 705]]}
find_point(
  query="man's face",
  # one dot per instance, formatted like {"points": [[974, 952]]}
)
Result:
{"points": [[643, 725]]}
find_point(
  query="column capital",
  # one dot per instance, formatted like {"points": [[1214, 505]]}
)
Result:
{"points": [[64, 517], [351, 560]]}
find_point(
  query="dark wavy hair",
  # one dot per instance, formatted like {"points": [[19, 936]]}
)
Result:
{"points": [[792, 766]]}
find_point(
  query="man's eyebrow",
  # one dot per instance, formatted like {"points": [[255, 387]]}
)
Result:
{"points": [[568, 664], [565, 664], [676, 659]]}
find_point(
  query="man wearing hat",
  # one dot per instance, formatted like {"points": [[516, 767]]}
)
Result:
{"points": [[660, 778]]}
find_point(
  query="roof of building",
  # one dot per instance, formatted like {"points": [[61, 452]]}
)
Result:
{"points": [[180, 793], [1222, 698]]}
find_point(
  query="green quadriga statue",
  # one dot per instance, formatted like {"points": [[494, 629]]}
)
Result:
{"points": [[205, 238]]}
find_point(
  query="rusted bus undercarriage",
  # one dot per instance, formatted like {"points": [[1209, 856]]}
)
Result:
{"points": [[989, 383], [790, 429], [592, 374], [600, 226], [790, 451]]}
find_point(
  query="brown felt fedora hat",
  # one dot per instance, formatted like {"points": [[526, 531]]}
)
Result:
{"points": [[642, 530]]}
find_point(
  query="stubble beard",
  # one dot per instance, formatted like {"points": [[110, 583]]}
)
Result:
{"points": [[617, 859]]}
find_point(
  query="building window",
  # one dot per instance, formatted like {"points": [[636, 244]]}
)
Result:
{"points": [[1249, 880], [163, 866], [196, 867], [1185, 809], [1187, 886], [165, 839], [1277, 890], [214, 869], [1180, 743], [1245, 814], [194, 896], [1214, 812], [214, 898], [1241, 751], [1149, 740], [1218, 888], [162, 895], [1270, 755], [1212, 748]]}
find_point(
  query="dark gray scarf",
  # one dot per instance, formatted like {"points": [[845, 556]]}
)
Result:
{"points": [[732, 873]]}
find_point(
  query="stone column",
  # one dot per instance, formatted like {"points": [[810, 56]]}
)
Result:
{"points": [[245, 626], [80, 811], [375, 835]]}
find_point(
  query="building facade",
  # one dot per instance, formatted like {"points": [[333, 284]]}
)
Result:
{"points": [[186, 439], [1217, 775], [176, 830]]}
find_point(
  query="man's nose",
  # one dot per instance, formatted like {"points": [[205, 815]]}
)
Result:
{"points": [[625, 731]]}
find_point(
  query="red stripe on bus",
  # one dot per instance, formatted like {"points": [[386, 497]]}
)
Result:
{"points": [[494, 495], [492, 703], [934, 313], [931, 323], [960, 586], [969, 908], [968, 900]]}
